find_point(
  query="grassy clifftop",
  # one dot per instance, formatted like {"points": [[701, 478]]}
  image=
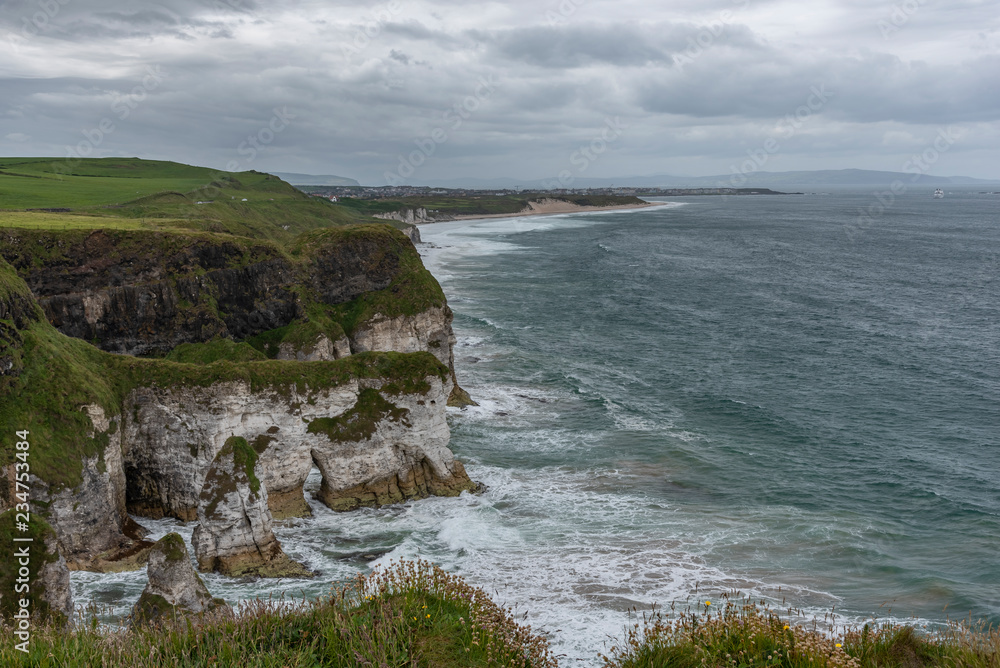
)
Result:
{"points": [[279, 267], [128, 193]]}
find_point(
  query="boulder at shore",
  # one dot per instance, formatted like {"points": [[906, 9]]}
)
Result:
{"points": [[174, 588]]}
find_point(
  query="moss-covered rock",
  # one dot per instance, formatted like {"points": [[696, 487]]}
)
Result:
{"points": [[174, 588], [234, 535]]}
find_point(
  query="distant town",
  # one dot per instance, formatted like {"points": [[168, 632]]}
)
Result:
{"points": [[334, 193]]}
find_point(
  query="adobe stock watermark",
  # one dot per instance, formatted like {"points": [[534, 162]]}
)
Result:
{"points": [[454, 117], [563, 11], [249, 148], [586, 155], [122, 107], [371, 28], [37, 22], [899, 16], [788, 127], [280, 120], [706, 37], [917, 165], [981, 290], [238, 5]]}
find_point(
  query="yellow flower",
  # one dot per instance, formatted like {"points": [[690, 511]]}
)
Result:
{"points": [[786, 627], [708, 603], [428, 616], [839, 645]]}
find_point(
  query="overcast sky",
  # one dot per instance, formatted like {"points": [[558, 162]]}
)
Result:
{"points": [[428, 89]]}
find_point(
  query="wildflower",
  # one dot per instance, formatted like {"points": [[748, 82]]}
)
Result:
{"points": [[708, 603], [839, 645], [786, 627], [428, 616]]}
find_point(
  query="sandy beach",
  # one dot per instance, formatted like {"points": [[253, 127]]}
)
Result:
{"points": [[543, 208]]}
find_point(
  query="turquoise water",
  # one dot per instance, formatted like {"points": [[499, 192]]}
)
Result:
{"points": [[711, 395]]}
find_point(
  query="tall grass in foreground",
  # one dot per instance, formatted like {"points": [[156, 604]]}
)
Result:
{"points": [[743, 634], [411, 614]]}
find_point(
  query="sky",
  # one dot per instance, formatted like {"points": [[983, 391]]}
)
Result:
{"points": [[407, 91]]}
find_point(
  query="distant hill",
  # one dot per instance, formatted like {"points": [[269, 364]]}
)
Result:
{"points": [[315, 180], [777, 180], [838, 177]]}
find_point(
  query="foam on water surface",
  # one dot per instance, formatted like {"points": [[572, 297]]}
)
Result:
{"points": [[656, 437]]}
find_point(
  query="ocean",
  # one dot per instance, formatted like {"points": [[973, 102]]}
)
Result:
{"points": [[763, 394]]}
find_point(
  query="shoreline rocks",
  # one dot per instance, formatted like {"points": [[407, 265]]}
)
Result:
{"points": [[174, 588]]}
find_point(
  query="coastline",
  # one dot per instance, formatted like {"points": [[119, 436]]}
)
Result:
{"points": [[544, 208]]}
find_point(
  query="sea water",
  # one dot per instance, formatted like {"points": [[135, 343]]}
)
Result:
{"points": [[774, 395]]}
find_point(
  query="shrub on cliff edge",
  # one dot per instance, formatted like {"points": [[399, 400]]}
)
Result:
{"points": [[410, 614], [747, 633]]}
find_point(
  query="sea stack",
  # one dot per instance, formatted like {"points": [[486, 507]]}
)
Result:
{"points": [[234, 535], [174, 588]]}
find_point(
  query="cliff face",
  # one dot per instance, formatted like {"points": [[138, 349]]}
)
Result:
{"points": [[93, 527], [315, 381], [141, 293], [172, 437]]}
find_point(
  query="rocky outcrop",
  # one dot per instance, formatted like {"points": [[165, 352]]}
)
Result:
{"points": [[381, 451], [430, 330], [53, 582], [234, 535], [143, 292], [413, 232], [322, 349], [173, 589], [150, 437], [175, 435], [169, 456], [410, 215], [357, 264], [95, 531]]}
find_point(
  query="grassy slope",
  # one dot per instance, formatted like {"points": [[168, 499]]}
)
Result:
{"points": [[744, 633], [414, 614], [146, 194], [411, 615]]}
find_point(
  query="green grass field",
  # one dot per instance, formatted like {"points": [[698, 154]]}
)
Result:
{"points": [[40, 220], [129, 193], [50, 182]]}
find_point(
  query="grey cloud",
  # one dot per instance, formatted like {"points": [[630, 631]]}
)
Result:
{"points": [[621, 44], [689, 109], [865, 88], [575, 47], [399, 56]]}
